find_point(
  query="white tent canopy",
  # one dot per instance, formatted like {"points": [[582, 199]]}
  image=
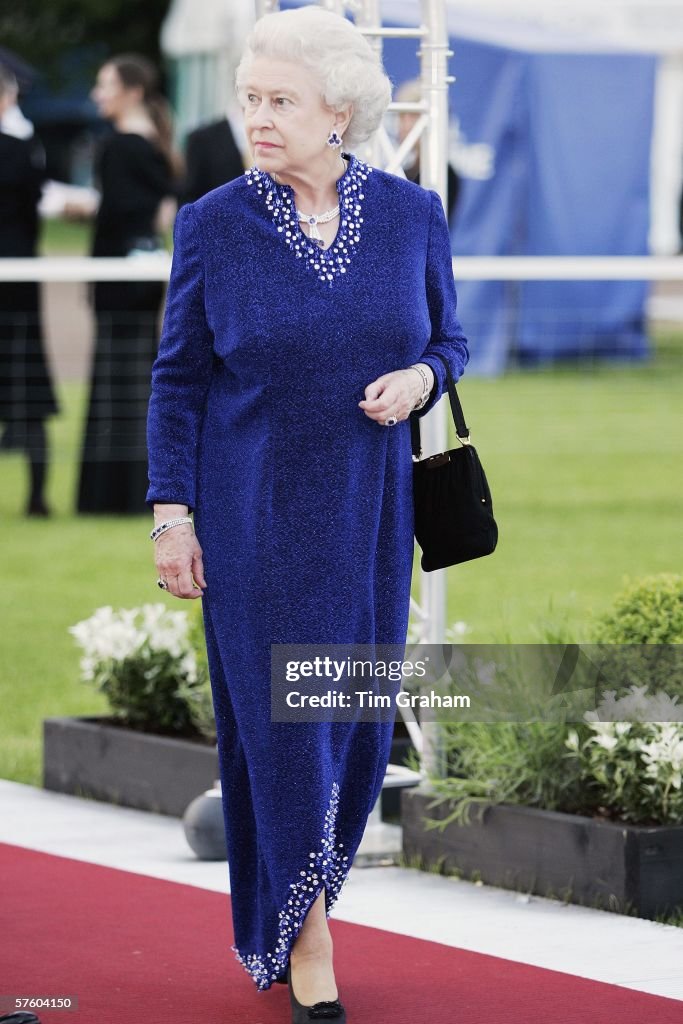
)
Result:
{"points": [[205, 26], [654, 26], [204, 40]]}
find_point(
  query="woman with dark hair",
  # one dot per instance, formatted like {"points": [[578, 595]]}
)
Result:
{"points": [[27, 396], [136, 169]]}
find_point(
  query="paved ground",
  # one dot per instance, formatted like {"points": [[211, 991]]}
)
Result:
{"points": [[594, 944]]}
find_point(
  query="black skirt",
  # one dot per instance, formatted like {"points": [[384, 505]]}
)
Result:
{"points": [[113, 473], [26, 390]]}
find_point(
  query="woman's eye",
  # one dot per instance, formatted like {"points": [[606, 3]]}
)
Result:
{"points": [[281, 100], [251, 98]]}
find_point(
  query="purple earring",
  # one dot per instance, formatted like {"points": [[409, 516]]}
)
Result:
{"points": [[334, 140]]}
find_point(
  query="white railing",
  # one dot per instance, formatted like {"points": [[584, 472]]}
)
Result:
{"points": [[465, 268]]}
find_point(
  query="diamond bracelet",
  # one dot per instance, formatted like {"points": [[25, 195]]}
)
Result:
{"points": [[163, 527], [426, 389]]}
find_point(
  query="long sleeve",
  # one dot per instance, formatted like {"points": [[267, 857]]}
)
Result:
{"points": [[181, 374], [447, 336]]}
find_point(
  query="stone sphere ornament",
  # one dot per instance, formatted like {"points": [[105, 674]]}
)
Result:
{"points": [[204, 825]]}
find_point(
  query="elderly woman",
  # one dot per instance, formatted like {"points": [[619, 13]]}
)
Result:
{"points": [[307, 301]]}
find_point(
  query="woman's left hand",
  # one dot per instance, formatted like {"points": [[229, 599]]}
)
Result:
{"points": [[392, 394]]}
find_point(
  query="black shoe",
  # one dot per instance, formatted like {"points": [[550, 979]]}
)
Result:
{"points": [[325, 1010], [19, 1017], [36, 508]]}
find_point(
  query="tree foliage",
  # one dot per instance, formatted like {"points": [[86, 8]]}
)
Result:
{"points": [[67, 39]]}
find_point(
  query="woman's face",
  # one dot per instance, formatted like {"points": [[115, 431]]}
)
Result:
{"points": [[111, 95], [286, 121]]}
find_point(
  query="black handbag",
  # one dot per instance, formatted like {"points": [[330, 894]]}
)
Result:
{"points": [[453, 508]]}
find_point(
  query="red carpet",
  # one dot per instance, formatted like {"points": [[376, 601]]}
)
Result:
{"points": [[134, 949]]}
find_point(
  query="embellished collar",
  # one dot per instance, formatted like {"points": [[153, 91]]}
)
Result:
{"points": [[329, 264]]}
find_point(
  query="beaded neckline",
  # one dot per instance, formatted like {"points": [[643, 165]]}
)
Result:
{"points": [[329, 264]]}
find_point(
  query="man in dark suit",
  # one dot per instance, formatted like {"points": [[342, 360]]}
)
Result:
{"points": [[212, 157]]}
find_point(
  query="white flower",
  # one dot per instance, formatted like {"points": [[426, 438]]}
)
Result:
{"points": [[666, 746], [108, 634], [188, 665], [572, 740], [606, 735], [109, 637], [608, 742]]}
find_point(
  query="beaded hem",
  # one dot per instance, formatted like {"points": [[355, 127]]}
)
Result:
{"points": [[328, 869], [329, 264]]}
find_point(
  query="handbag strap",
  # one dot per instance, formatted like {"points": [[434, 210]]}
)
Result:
{"points": [[461, 428]]}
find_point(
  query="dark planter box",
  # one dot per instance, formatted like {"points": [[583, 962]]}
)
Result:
{"points": [[93, 757], [616, 866]]}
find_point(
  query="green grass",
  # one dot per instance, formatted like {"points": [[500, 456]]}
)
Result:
{"points": [[584, 466], [65, 238], [585, 472], [72, 238]]}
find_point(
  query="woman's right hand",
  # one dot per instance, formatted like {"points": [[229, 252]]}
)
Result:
{"points": [[178, 558]]}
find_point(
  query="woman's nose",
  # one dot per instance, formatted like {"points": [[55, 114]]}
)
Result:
{"points": [[260, 116]]}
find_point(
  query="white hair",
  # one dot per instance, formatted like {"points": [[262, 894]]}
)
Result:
{"points": [[335, 52]]}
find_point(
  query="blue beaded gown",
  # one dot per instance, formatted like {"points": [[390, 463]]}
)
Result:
{"points": [[302, 504]]}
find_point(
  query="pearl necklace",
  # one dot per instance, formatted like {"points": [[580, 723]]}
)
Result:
{"points": [[331, 264], [314, 219]]}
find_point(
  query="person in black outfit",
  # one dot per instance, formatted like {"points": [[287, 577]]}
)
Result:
{"points": [[212, 158], [136, 169], [27, 396]]}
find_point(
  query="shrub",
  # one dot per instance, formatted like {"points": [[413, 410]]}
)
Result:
{"points": [[641, 632], [646, 611]]}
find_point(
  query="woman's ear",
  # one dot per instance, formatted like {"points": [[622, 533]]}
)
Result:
{"points": [[342, 119]]}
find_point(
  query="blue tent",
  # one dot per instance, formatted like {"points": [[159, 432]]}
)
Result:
{"points": [[569, 141]]}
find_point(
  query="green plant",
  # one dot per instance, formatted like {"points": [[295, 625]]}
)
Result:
{"points": [[632, 759], [640, 635], [647, 611], [505, 762], [624, 762], [142, 660]]}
